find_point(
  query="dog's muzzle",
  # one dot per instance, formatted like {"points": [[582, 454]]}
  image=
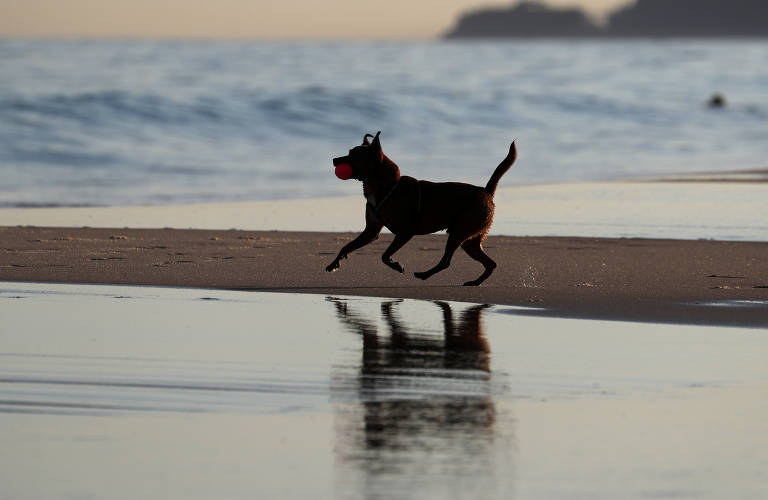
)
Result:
{"points": [[341, 159]]}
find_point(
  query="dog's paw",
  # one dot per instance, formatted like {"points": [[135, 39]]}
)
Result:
{"points": [[396, 266], [473, 283], [421, 276], [333, 266]]}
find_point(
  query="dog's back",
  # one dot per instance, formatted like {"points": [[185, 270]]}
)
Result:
{"points": [[459, 207], [454, 206]]}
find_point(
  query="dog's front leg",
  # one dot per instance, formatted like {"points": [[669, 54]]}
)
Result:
{"points": [[397, 244], [371, 232]]}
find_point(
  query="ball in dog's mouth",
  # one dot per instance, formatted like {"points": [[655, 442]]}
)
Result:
{"points": [[344, 171]]}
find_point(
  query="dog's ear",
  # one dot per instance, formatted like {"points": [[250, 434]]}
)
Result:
{"points": [[376, 152], [365, 139]]}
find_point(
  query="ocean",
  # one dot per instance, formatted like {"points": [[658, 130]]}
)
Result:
{"points": [[142, 122]]}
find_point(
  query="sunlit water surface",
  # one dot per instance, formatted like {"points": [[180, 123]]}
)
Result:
{"points": [[125, 392]]}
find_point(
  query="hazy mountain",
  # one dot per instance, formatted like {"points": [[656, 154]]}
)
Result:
{"points": [[643, 18], [705, 18], [526, 19]]}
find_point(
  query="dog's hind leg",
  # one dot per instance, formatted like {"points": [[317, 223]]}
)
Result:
{"points": [[397, 244], [451, 246], [474, 249]]}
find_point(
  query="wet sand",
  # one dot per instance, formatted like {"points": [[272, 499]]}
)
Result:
{"points": [[120, 392], [652, 280]]}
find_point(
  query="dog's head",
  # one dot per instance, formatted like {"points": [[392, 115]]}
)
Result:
{"points": [[369, 163]]}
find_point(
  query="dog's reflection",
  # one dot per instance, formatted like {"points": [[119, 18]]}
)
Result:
{"points": [[461, 347], [420, 404]]}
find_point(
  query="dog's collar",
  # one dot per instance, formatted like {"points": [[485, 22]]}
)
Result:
{"points": [[376, 207]]}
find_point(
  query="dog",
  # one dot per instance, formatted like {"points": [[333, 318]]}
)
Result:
{"points": [[407, 207]]}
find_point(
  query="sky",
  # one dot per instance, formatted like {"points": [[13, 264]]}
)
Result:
{"points": [[264, 19]]}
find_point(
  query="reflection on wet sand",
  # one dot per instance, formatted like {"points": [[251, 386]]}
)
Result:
{"points": [[422, 421], [126, 392]]}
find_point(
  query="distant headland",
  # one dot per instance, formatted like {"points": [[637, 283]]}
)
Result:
{"points": [[641, 19]]}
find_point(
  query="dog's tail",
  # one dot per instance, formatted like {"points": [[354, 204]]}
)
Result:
{"points": [[505, 164]]}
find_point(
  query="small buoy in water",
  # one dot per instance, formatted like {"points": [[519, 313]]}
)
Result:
{"points": [[717, 101]]}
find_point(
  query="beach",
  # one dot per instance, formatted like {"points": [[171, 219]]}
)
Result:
{"points": [[611, 250], [654, 280], [112, 391], [197, 351]]}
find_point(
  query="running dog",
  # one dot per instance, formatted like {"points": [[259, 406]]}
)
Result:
{"points": [[407, 207]]}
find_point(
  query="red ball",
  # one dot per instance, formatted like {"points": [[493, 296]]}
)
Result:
{"points": [[344, 171]]}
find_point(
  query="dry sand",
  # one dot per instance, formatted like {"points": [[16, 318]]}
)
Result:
{"points": [[706, 282]]}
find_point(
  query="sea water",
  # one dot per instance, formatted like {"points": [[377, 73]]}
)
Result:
{"points": [[116, 122]]}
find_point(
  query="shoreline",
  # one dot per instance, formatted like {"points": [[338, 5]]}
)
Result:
{"points": [[729, 211], [632, 279]]}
